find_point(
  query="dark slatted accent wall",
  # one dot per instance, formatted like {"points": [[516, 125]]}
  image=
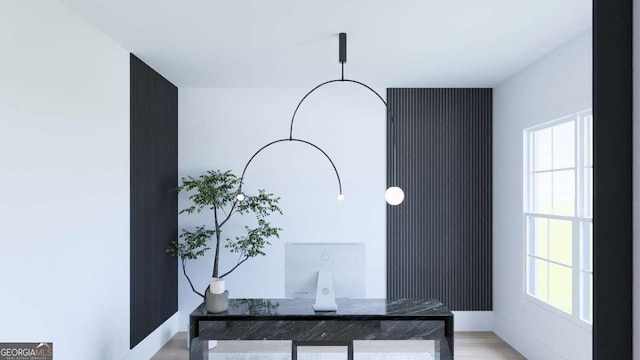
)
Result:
{"points": [[154, 207], [439, 242], [613, 195]]}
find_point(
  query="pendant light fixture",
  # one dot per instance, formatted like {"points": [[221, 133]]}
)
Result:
{"points": [[394, 194]]}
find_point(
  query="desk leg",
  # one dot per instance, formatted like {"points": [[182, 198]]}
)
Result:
{"points": [[199, 349], [444, 347]]}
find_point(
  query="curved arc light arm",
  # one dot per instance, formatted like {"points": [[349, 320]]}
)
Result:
{"points": [[293, 118], [254, 155], [386, 105], [291, 139], [302, 100]]}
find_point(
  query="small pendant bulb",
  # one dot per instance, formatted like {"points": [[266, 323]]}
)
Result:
{"points": [[394, 195]]}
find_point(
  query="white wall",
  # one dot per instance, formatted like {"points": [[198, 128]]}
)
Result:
{"points": [[558, 84], [636, 179], [64, 189], [222, 128]]}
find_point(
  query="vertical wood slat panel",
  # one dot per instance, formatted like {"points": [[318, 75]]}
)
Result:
{"points": [[154, 207], [439, 241]]}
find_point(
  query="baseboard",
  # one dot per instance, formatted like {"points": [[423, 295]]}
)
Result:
{"points": [[473, 320], [523, 342], [154, 341]]}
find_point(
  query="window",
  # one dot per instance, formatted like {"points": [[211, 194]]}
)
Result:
{"points": [[558, 199]]}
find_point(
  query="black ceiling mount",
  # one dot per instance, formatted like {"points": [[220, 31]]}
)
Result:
{"points": [[343, 48]]}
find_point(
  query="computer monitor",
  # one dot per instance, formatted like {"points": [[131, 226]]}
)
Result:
{"points": [[339, 267]]}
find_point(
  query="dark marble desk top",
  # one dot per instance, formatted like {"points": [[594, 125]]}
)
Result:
{"points": [[301, 309]]}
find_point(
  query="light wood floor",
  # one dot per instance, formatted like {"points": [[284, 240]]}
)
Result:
{"points": [[468, 345]]}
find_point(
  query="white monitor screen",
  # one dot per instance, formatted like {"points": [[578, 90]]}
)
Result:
{"points": [[345, 261]]}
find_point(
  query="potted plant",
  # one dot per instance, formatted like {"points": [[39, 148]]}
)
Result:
{"points": [[218, 192]]}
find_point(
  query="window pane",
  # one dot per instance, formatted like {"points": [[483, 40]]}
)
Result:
{"points": [[564, 145], [564, 192], [586, 245], [586, 281], [560, 287], [541, 140], [538, 277], [560, 239], [541, 195], [538, 235]]}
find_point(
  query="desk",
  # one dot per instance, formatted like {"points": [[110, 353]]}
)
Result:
{"points": [[295, 320]]}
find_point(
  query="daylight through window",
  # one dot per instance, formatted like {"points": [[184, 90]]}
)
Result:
{"points": [[558, 199]]}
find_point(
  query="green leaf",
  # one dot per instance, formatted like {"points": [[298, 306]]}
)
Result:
{"points": [[216, 191]]}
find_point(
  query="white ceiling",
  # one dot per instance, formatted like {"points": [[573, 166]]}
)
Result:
{"points": [[294, 43]]}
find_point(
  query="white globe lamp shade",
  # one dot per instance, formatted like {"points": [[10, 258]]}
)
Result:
{"points": [[340, 197], [240, 196], [394, 195]]}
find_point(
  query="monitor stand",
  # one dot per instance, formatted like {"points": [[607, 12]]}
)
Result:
{"points": [[325, 293]]}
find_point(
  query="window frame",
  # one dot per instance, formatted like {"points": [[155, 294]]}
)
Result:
{"points": [[580, 216]]}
